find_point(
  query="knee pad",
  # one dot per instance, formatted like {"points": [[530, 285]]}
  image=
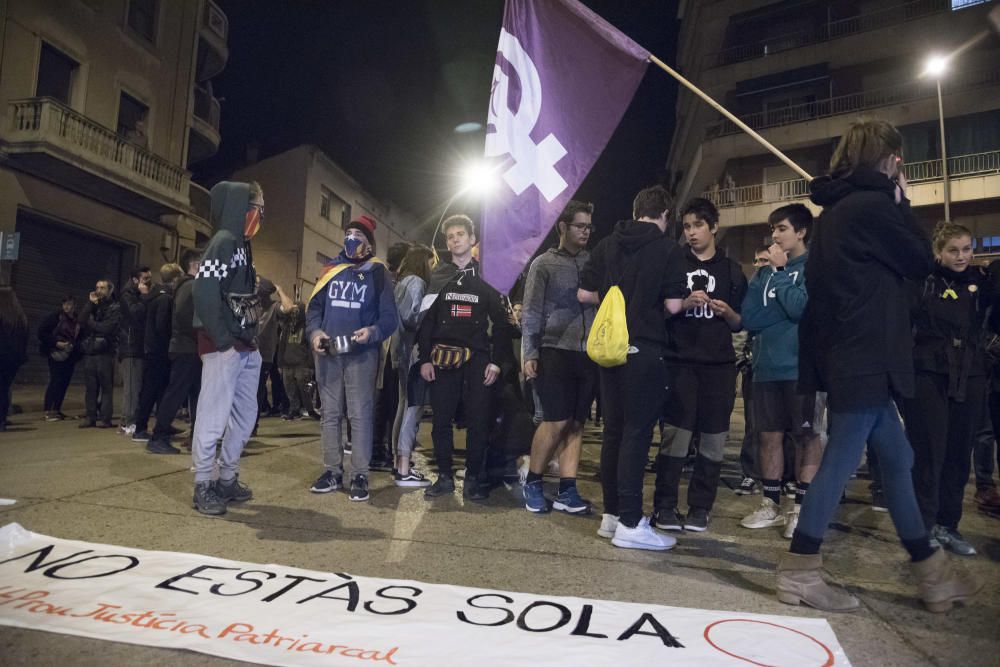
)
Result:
{"points": [[713, 446], [676, 441]]}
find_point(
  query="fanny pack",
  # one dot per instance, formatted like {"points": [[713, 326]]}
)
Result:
{"points": [[247, 308], [449, 357]]}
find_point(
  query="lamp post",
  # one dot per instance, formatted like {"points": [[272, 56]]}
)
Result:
{"points": [[936, 67]]}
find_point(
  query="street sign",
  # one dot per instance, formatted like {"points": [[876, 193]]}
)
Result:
{"points": [[10, 243]]}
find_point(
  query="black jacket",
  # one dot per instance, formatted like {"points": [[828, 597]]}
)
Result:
{"points": [[467, 312], [99, 327], [648, 267], [159, 309], [133, 323], [855, 338], [56, 327], [183, 339]]}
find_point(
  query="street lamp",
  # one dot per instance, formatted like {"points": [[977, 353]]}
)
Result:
{"points": [[477, 178], [936, 67]]}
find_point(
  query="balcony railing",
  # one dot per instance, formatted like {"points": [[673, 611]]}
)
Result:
{"points": [[828, 30], [46, 120], [216, 20], [855, 102], [201, 201], [207, 107], [976, 164]]}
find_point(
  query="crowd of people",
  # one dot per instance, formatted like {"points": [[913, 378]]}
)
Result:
{"points": [[891, 347]]}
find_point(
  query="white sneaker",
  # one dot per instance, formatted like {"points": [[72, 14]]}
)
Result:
{"points": [[641, 537], [767, 515], [523, 470], [609, 523], [791, 522]]}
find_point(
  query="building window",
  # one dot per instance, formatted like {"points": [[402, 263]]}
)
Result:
{"points": [[345, 215], [132, 115], [324, 203], [56, 72], [142, 18]]}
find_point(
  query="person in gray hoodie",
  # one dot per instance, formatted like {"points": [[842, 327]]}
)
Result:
{"points": [[554, 328], [226, 313], [772, 309]]}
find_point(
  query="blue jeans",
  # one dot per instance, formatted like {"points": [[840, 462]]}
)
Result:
{"points": [[882, 429]]}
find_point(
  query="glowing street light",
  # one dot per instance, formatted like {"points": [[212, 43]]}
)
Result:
{"points": [[479, 178], [936, 66]]}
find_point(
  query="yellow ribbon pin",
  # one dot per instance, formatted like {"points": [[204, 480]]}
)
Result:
{"points": [[949, 294]]}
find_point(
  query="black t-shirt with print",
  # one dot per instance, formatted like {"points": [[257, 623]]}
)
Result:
{"points": [[698, 335]]}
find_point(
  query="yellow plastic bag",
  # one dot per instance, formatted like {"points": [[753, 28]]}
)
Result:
{"points": [[607, 343]]}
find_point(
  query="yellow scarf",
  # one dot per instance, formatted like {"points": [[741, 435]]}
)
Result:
{"points": [[332, 270]]}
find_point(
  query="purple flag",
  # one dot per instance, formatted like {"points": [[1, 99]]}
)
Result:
{"points": [[562, 81]]}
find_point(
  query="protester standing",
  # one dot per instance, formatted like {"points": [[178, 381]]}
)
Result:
{"points": [[99, 324], [131, 347], [57, 336], [949, 309], [13, 346]]}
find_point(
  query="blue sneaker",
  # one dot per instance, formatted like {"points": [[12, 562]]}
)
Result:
{"points": [[569, 501], [534, 498]]}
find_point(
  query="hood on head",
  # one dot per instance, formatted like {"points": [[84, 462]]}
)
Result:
{"points": [[826, 191], [230, 201]]}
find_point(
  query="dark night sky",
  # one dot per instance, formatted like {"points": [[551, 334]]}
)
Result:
{"points": [[380, 86]]}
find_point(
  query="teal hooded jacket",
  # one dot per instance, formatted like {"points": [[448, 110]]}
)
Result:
{"points": [[771, 312]]}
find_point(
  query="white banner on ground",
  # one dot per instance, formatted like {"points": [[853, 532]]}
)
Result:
{"points": [[273, 614]]}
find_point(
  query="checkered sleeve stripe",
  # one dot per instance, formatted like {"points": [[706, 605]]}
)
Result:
{"points": [[240, 257], [213, 268]]}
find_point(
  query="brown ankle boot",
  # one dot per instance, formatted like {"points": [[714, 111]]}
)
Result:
{"points": [[941, 582], [799, 582]]}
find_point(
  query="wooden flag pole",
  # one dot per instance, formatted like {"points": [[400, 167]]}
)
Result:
{"points": [[725, 112]]}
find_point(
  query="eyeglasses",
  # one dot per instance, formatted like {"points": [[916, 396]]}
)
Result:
{"points": [[581, 226], [259, 207]]}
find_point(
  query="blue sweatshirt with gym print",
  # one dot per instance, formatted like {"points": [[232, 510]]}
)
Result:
{"points": [[359, 295]]}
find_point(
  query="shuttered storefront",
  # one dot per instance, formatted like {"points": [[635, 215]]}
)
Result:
{"points": [[56, 260]]}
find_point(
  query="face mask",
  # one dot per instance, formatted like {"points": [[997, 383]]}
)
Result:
{"points": [[251, 224], [354, 248]]}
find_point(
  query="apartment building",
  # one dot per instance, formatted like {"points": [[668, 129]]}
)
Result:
{"points": [[103, 105], [309, 200], [799, 71]]}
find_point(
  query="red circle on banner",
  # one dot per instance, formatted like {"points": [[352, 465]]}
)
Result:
{"points": [[829, 654]]}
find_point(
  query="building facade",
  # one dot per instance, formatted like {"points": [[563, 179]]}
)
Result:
{"points": [[799, 71], [103, 105], [309, 201]]}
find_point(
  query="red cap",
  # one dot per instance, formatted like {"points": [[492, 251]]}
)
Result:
{"points": [[367, 226]]}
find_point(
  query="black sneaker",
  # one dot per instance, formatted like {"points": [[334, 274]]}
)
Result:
{"points": [[88, 423], [161, 447], [206, 500], [359, 488], [697, 520], [381, 463], [327, 482], [747, 487], [141, 436], [442, 486], [669, 519], [473, 489], [789, 489], [410, 479], [107, 423], [233, 491]]}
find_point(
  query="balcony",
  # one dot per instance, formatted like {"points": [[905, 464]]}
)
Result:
{"points": [[845, 104], [52, 141], [204, 137], [829, 30], [975, 176], [213, 48]]}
